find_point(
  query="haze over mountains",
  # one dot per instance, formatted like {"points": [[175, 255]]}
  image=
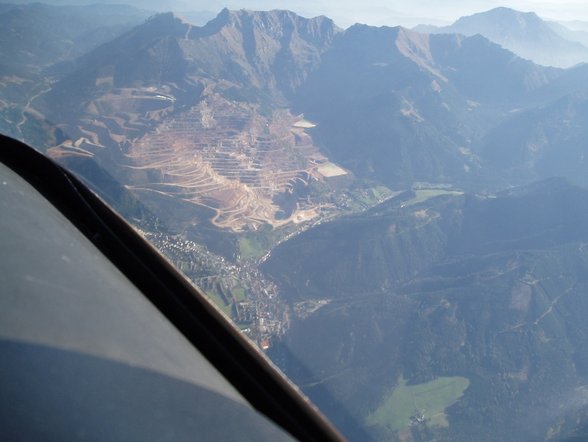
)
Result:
{"points": [[442, 96], [35, 36], [490, 289], [386, 197], [525, 34]]}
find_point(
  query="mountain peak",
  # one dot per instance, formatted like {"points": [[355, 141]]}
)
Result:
{"points": [[166, 23], [276, 24], [165, 18], [416, 47], [379, 44], [505, 19], [265, 18], [523, 33], [503, 11]]}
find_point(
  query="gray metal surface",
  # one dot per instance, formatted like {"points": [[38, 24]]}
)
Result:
{"points": [[84, 355]]}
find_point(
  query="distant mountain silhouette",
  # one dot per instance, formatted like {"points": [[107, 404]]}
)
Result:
{"points": [[523, 33], [390, 104], [36, 35], [402, 106], [266, 55], [476, 267], [580, 36]]}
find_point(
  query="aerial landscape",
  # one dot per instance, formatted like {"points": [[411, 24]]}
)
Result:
{"points": [[396, 216]]}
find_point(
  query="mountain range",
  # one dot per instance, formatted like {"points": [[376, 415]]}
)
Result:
{"points": [[443, 97], [36, 35], [415, 198], [523, 33], [491, 290]]}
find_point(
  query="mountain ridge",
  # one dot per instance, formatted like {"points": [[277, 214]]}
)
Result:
{"points": [[441, 93], [38, 35], [467, 292], [370, 173], [524, 33]]}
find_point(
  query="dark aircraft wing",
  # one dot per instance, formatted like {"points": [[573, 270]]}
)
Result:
{"points": [[101, 339]]}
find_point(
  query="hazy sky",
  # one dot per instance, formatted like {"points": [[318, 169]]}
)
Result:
{"points": [[374, 12], [407, 12]]}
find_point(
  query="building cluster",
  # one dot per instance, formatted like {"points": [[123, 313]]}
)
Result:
{"points": [[251, 301]]}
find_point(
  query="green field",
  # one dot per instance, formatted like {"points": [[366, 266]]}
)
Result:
{"points": [[239, 294], [366, 197], [382, 192], [430, 399], [218, 300], [249, 248], [425, 194]]}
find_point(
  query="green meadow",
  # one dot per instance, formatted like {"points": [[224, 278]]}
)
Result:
{"points": [[430, 400]]}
